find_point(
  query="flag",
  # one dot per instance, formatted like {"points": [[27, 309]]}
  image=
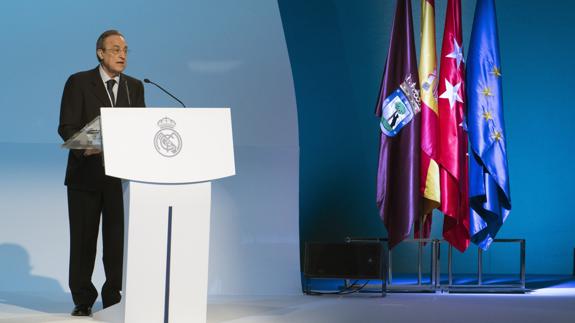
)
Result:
{"points": [[489, 194], [398, 197], [429, 170], [452, 156]]}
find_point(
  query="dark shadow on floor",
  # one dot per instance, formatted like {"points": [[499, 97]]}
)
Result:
{"points": [[19, 287]]}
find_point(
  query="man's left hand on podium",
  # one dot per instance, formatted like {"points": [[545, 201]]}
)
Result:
{"points": [[90, 152]]}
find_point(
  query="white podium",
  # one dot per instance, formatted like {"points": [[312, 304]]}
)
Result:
{"points": [[167, 157]]}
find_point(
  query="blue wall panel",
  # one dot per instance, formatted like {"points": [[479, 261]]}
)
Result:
{"points": [[337, 50]]}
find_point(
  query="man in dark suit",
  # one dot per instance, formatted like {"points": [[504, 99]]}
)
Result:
{"points": [[90, 192]]}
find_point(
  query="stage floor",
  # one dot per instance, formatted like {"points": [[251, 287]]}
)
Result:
{"points": [[554, 303]]}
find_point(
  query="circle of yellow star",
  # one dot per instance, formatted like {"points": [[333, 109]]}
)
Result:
{"points": [[487, 91], [487, 116], [496, 135], [496, 71]]}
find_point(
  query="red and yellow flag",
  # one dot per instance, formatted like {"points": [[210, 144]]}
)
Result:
{"points": [[452, 153], [429, 171]]}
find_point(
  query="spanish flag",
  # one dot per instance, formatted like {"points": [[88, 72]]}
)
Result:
{"points": [[429, 171]]}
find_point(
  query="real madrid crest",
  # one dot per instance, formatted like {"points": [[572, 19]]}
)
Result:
{"points": [[167, 140]]}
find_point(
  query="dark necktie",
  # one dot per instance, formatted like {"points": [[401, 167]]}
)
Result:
{"points": [[110, 85]]}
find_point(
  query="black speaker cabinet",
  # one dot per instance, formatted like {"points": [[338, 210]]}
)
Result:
{"points": [[354, 260]]}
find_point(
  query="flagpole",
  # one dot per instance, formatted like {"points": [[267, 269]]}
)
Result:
{"points": [[420, 250]]}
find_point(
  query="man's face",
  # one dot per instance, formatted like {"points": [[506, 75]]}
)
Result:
{"points": [[113, 57]]}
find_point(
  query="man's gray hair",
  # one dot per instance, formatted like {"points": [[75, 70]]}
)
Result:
{"points": [[102, 38]]}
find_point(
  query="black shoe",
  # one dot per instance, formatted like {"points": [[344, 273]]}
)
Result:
{"points": [[82, 310]]}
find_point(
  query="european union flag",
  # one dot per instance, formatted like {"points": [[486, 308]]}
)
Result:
{"points": [[489, 194]]}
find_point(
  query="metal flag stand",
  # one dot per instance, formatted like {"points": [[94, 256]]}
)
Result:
{"points": [[435, 283], [420, 286], [481, 287]]}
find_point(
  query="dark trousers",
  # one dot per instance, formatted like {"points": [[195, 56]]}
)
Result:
{"points": [[84, 209]]}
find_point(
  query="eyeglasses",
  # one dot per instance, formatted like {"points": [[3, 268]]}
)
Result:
{"points": [[117, 50]]}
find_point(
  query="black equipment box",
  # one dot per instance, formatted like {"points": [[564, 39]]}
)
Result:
{"points": [[353, 260]]}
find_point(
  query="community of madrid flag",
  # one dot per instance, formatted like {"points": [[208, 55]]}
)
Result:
{"points": [[489, 194], [398, 197], [429, 171], [452, 156]]}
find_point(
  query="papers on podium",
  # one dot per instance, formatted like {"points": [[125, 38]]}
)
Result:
{"points": [[88, 137]]}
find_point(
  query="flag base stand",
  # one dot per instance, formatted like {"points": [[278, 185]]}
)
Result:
{"points": [[481, 286], [430, 279], [427, 281]]}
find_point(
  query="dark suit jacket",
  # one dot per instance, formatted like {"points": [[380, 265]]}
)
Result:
{"points": [[84, 95]]}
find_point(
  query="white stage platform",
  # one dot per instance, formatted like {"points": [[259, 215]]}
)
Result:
{"points": [[545, 305]]}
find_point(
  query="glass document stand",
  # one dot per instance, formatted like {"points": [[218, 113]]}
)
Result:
{"points": [[89, 137]]}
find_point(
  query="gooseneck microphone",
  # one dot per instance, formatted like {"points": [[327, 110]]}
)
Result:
{"points": [[168, 93], [128, 92]]}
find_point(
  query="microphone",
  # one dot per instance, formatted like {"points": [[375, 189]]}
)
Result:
{"points": [[168, 93], [128, 92]]}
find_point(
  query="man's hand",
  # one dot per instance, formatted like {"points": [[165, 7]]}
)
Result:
{"points": [[90, 152]]}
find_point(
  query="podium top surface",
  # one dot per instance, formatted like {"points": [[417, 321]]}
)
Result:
{"points": [[168, 145]]}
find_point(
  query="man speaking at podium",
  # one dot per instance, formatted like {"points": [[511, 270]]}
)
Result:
{"points": [[90, 191]]}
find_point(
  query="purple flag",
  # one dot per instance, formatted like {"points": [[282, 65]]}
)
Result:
{"points": [[398, 197]]}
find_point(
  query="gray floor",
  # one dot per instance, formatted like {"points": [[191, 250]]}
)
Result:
{"points": [[550, 305]]}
